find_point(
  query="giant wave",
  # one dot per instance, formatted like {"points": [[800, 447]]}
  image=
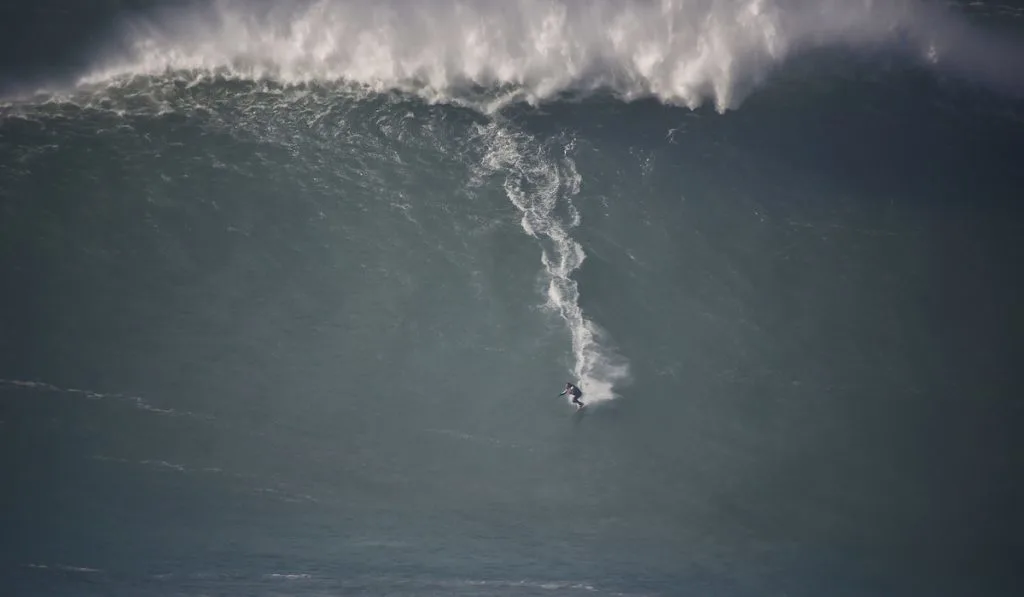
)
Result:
{"points": [[489, 55]]}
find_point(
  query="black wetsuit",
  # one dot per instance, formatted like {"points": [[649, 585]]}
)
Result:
{"points": [[575, 392]]}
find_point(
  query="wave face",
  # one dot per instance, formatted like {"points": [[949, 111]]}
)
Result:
{"points": [[290, 290]]}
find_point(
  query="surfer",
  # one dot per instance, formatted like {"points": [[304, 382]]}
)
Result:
{"points": [[575, 392]]}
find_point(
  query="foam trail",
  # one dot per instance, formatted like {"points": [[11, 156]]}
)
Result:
{"points": [[537, 183], [683, 52], [137, 401], [62, 568]]}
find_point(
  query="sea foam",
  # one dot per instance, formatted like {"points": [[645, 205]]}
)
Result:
{"points": [[683, 52], [541, 181]]}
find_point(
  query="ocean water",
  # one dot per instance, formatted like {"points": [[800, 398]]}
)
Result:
{"points": [[290, 290]]}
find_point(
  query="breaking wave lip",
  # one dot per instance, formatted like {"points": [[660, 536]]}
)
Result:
{"points": [[682, 52]]}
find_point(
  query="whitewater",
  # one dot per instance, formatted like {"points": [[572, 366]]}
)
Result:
{"points": [[684, 52]]}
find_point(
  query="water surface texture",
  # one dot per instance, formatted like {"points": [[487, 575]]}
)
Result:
{"points": [[290, 290]]}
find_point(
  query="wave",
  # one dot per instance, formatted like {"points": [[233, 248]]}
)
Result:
{"points": [[682, 52]]}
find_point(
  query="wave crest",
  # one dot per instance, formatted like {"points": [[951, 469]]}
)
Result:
{"points": [[683, 52]]}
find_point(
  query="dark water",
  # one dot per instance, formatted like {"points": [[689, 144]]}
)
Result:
{"points": [[286, 310]]}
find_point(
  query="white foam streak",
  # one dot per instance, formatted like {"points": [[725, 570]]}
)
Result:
{"points": [[139, 402], [681, 51], [539, 185]]}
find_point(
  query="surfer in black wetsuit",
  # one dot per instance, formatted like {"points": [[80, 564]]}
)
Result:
{"points": [[575, 392]]}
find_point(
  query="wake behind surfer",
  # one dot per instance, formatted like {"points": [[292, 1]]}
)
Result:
{"points": [[575, 392]]}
